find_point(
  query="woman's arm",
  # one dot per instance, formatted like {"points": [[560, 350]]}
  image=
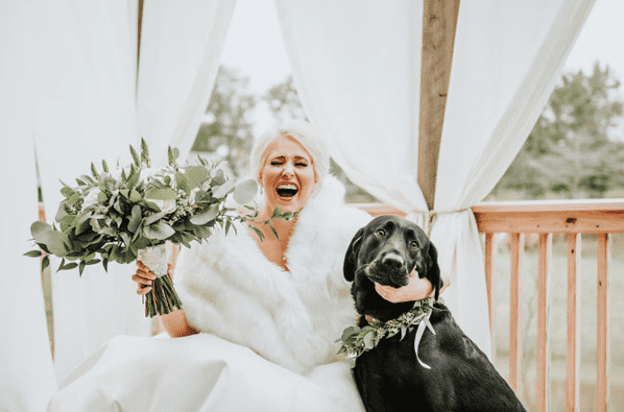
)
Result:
{"points": [[174, 322], [416, 289]]}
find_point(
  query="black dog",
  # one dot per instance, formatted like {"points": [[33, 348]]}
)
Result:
{"points": [[394, 375]]}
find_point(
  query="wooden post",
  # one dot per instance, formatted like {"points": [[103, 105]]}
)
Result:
{"points": [[438, 37], [543, 319], [573, 357], [515, 321]]}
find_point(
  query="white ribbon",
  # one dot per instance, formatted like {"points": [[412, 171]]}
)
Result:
{"points": [[425, 323]]}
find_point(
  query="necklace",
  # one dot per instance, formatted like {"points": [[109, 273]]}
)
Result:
{"points": [[355, 340]]}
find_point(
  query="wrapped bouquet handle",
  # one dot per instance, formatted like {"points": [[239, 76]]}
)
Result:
{"points": [[163, 297]]}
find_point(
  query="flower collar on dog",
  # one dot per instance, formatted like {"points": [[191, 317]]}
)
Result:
{"points": [[356, 341]]}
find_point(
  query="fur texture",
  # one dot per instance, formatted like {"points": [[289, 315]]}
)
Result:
{"points": [[291, 318]]}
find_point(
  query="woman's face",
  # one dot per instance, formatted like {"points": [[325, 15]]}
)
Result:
{"points": [[287, 175]]}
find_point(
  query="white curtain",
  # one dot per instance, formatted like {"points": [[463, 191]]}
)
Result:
{"points": [[85, 63], [181, 44], [356, 65], [507, 58], [27, 379], [88, 109]]}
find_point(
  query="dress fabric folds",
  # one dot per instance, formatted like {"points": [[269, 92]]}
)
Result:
{"points": [[199, 373], [268, 335]]}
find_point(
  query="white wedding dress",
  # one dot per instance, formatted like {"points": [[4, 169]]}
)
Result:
{"points": [[269, 340]]}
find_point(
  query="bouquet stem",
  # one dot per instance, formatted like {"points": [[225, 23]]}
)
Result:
{"points": [[163, 297]]}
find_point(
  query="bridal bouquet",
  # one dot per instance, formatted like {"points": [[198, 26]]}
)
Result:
{"points": [[130, 212]]}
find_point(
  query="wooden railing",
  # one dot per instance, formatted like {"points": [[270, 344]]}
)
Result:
{"points": [[572, 218]]}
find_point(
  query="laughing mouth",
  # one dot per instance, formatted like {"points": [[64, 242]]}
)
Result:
{"points": [[287, 191]]}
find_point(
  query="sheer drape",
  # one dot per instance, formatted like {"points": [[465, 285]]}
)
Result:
{"points": [[356, 65], [85, 112], [506, 60], [357, 74], [27, 379], [181, 44]]}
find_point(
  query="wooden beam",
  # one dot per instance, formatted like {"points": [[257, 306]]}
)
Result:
{"points": [[139, 23], [438, 38]]}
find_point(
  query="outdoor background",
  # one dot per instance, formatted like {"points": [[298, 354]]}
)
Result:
{"points": [[575, 151]]}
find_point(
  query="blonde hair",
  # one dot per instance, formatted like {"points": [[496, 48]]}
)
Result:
{"points": [[303, 132]]}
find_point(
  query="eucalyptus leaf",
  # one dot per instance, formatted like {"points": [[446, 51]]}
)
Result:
{"points": [[182, 182], [135, 196], [158, 231], [67, 191], [218, 178], [245, 191], [60, 212], [153, 218], [135, 218], [38, 229], [196, 176], [224, 189], [161, 194], [206, 215]]}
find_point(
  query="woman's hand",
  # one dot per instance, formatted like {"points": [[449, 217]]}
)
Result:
{"points": [[144, 278], [416, 289]]}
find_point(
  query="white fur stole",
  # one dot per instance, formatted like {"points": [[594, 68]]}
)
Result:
{"points": [[292, 318]]}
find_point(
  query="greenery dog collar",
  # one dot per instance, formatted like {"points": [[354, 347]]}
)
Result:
{"points": [[355, 340]]}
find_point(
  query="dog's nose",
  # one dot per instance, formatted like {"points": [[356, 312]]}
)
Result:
{"points": [[393, 260]]}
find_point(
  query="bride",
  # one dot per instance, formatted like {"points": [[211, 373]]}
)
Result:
{"points": [[260, 317]]}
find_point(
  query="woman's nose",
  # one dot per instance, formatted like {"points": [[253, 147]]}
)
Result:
{"points": [[288, 171]]}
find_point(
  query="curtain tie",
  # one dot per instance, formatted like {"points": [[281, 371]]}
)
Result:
{"points": [[429, 217]]}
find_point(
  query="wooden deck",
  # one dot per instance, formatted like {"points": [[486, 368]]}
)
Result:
{"points": [[545, 218]]}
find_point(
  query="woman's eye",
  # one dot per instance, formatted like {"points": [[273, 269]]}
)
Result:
{"points": [[276, 163], [413, 244], [301, 164], [380, 233]]}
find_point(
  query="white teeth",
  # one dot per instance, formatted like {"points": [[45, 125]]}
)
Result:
{"points": [[291, 187]]}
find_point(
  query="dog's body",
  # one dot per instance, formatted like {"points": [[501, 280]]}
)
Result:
{"points": [[389, 376]]}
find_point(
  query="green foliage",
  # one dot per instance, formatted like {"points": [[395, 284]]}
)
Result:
{"points": [[284, 101], [230, 125], [115, 215], [569, 149]]}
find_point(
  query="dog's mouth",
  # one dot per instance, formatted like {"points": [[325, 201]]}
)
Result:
{"points": [[393, 277], [287, 191]]}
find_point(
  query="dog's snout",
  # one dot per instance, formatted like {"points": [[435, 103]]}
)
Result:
{"points": [[393, 260]]}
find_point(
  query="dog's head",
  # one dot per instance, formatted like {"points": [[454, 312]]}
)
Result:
{"points": [[386, 251]]}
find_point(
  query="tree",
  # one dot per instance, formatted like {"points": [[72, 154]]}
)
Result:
{"points": [[283, 101], [569, 149], [227, 129]]}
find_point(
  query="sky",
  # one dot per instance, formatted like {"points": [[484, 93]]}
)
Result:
{"points": [[254, 45]]}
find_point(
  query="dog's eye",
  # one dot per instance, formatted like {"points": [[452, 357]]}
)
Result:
{"points": [[380, 233], [413, 244]]}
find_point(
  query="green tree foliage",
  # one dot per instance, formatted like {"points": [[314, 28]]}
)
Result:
{"points": [[569, 149], [283, 101], [228, 129]]}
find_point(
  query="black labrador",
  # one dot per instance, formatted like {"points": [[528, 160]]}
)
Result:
{"points": [[393, 375]]}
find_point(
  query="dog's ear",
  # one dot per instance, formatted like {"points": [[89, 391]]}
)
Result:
{"points": [[348, 267], [433, 274]]}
